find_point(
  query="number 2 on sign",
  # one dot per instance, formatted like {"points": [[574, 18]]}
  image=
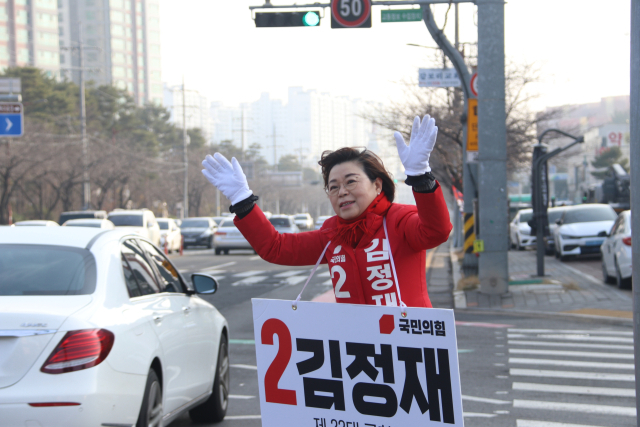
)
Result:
{"points": [[272, 393], [355, 7]]}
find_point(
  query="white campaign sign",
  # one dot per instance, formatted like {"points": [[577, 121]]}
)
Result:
{"points": [[346, 365]]}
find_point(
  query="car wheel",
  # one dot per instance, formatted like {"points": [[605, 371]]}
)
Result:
{"points": [[215, 407], [520, 248], [226, 251], [605, 273], [210, 244], [218, 251], [151, 409], [622, 283]]}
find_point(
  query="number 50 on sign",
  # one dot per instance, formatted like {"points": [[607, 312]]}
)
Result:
{"points": [[326, 365], [350, 13]]}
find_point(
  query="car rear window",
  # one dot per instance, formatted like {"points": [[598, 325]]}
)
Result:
{"points": [[280, 222], [195, 223], [228, 223], [124, 220], [46, 270], [604, 213], [164, 225], [554, 216], [525, 216], [300, 217]]}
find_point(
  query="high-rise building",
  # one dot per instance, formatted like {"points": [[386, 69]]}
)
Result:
{"points": [[29, 34], [196, 108], [124, 36]]}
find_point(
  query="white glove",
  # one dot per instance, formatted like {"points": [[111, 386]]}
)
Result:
{"points": [[415, 156], [227, 177]]}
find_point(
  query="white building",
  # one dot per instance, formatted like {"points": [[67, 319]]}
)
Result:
{"points": [[196, 108]]}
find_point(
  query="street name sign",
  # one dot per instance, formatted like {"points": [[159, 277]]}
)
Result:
{"points": [[401, 15], [11, 119], [438, 77], [356, 365], [472, 125], [10, 85], [350, 13]]}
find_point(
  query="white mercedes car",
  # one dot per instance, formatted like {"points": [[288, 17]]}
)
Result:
{"points": [[582, 229], [617, 263], [519, 230], [98, 328]]}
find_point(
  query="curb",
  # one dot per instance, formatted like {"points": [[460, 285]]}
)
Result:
{"points": [[546, 314]]}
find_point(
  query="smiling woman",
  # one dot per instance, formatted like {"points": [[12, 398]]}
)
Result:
{"points": [[375, 249]]}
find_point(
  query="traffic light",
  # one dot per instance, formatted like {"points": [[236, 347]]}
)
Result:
{"points": [[287, 19]]}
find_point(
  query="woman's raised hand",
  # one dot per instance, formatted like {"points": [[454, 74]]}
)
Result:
{"points": [[227, 177], [415, 156]]}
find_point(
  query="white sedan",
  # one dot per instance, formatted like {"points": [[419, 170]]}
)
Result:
{"points": [[616, 253], [582, 229], [90, 222], [520, 231], [169, 234], [101, 330]]}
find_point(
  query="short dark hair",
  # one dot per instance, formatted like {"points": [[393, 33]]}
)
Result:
{"points": [[370, 163]]}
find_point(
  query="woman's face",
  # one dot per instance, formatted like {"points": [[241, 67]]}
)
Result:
{"points": [[350, 190]]}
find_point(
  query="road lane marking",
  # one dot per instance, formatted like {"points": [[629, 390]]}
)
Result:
{"points": [[289, 273], [532, 423], [249, 281], [485, 400], [243, 417], [571, 363], [254, 258], [482, 325], [478, 415], [591, 354], [553, 388], [241, 366], [295, 280], [324, 274], [241, 396], [575, 407], [575, 338], [251, 342], [541, 373], [249, 273], [572, 344], [569, 331], [327, 282]]}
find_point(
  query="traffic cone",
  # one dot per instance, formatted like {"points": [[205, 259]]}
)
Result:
{"points": [[166, 247], [181, 245]]}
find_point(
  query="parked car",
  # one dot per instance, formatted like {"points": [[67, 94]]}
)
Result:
{"points": [[218, 219], [198, 231], [303, 221], [169, 234], [36, 223], [553, 214], [616, 252], [284, 224], [90, 222], [320, 221], [103, 330], [582, 229], [519, 231], [139, 221], [228, 237], [66, 216]]}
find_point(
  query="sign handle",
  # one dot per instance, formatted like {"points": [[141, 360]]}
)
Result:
{"points": [[295, 303], [403, 306]]}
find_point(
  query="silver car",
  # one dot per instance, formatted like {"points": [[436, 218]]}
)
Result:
{"points": [[303, 221], [284, 224], [228, 237]]}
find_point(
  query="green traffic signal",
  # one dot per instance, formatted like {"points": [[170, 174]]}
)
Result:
{"points": [[311, 19]]}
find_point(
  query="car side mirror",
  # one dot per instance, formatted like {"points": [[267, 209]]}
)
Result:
{"points": [[603, 234], [204, 284]]}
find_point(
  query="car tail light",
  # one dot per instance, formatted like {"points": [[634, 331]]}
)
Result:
{"points": [[627, 240], [220, 233], [79, 350]]}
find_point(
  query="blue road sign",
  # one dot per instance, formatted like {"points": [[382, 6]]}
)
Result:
{"points": [[11, 119]]}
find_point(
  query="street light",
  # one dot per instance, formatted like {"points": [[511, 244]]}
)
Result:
{"points": [[540, 208]]}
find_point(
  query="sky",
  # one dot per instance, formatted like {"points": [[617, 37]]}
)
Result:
{"points": [[580, 47]]}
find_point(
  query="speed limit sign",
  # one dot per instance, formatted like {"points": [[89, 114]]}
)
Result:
{"points": [[350, 13]]}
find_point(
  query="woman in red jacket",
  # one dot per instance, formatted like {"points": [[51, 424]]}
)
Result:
{"points": [[372, 244]]}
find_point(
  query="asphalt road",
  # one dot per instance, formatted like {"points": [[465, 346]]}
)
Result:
{"points": [[516, 371]]}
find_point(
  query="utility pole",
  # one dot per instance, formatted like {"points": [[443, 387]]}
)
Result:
{"points": [[634, 120], [185, 197], [492, 144], [86, 183]]}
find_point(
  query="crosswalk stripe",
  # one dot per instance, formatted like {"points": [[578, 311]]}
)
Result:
{"points": [[575, 338], [324, 274], [485, 400], [249, 273], [570, 331], [295, 280], [289, 273], [575, 407], [572, 363], [241, 366], [249, 280], [226, 264], [571, 345], [241, 396], [571, 353], [478, 415], [532, 423], [254, 258], [327, 282], [243, 417], [541, 373], [553, 388]]}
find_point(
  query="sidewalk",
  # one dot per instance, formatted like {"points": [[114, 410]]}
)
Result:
{"points": [[564, 290]]}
